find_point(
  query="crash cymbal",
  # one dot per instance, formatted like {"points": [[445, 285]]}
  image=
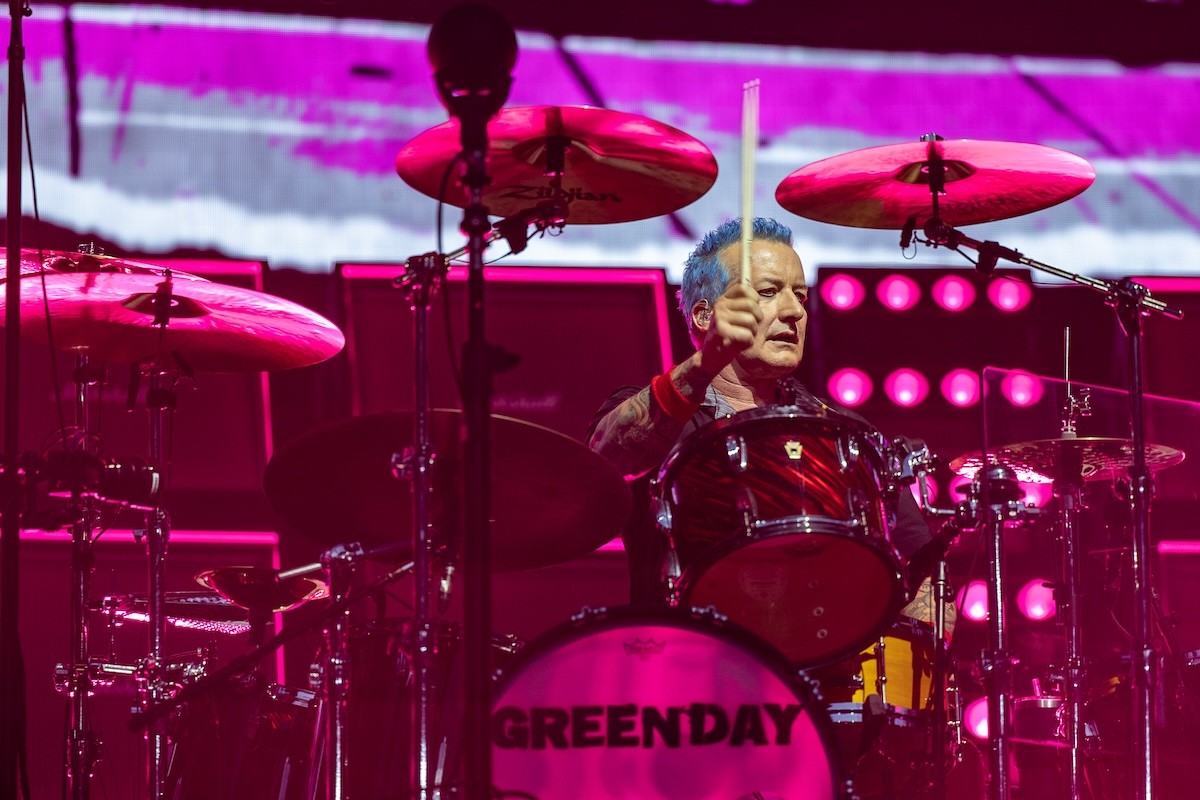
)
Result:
{"points": [[616, 167], [106, 307], [206, 611], [552, 498], [1094, 458], [882, 187], [261, 589]]}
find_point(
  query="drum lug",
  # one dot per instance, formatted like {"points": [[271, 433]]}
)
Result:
{"points": [[848, 452], [736, 453]]}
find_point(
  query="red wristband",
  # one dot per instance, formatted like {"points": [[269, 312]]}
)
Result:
{"points": [[670, 400]]}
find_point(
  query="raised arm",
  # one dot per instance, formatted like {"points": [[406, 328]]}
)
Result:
{"points": [[638, 433]]}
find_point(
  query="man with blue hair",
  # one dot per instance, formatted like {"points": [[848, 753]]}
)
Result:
{"points": [[749, 340]]}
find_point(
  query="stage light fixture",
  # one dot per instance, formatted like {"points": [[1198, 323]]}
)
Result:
{"points": [[953, 293], [852, 387], [975, 717], [1021, 389], [843, 292], [973, 601], [898, 292], [1009, 295], [1036, 600], [960, 387], [906, 387]]}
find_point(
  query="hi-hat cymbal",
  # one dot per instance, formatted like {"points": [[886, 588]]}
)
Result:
{"points": [[260, 589], [882, 187], [552, 498], [1093, 458], [206, 611], [616, 167], [108, 308]]}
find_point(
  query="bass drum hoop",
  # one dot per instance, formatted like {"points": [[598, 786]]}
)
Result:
{"points": [[705, 622]]}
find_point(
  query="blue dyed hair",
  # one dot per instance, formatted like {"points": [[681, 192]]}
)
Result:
{"points": [[704, 277]]}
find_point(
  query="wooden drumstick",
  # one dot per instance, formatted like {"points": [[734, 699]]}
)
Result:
{"points": [[749, 146]]}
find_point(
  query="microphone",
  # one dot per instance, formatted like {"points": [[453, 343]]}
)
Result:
{"points": [[907, 233], [472, 49]]}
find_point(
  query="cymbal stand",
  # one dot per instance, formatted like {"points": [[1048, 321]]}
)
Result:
{"points": [[339, 565], [1068, 488], [160, 400], [422, 276], [82, 743], [993, 500]]}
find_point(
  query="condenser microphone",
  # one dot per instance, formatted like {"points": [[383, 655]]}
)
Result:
{"points": [[472, 49]]}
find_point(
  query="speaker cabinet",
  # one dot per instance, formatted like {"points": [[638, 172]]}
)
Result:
{"points": [[575, 335]]}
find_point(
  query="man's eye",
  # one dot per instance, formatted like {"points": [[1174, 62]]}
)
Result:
{"points": [[769, 292]]}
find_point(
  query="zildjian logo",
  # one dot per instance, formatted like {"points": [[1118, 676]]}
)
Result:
{"points": [[565, 195]]}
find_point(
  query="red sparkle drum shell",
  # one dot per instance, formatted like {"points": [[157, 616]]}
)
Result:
{"points": [[656, 706], [780, 521]]}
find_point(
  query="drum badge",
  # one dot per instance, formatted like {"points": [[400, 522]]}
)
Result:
{"points": [[644, 648]]}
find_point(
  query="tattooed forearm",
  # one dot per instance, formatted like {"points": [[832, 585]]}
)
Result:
{"points": [[923, 607], [636, 435]]}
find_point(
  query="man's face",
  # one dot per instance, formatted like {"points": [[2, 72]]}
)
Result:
{"points": [[777, 276]]}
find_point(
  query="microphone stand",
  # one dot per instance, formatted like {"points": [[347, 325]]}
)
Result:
{"points": [[477, 387], [12, 689]]}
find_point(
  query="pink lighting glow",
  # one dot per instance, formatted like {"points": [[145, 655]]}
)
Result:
{"points": [[898, 292], [851, 387], [953, 293], [1036, 600], [976, 717], [843, 292], [1008, 295], [906, 387], [1021, 389], [960, 387], [931, 489], [1037, 494], [973, 601]]}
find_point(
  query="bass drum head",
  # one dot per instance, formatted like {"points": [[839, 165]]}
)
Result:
{"points": [[657, 706]]}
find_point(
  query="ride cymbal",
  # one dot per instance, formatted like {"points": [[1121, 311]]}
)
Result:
{"points": [[552, 499], [883, 187], [614, 167], [113, 309], [1093, 458]]}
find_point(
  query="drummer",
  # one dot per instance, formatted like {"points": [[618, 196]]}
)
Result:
{"points": [[749, 341]]}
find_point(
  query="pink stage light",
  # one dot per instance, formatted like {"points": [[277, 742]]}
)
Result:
{"points": [[931, 489], [852, 387], [960, 387], [906, 387], [973, 600], [1037, 494], [1021, 389], [898, 292], [976, 718], [1036, 600], [953, 293], [843, 292], [1008, 295]]}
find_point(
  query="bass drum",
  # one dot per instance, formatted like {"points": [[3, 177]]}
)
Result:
{"points": [[622, 704]]}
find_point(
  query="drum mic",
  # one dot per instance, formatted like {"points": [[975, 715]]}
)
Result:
{"points": [[906, 234], [472, 49]]}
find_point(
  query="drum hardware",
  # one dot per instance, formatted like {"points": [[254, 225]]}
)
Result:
{"points": [[166, 324]]}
